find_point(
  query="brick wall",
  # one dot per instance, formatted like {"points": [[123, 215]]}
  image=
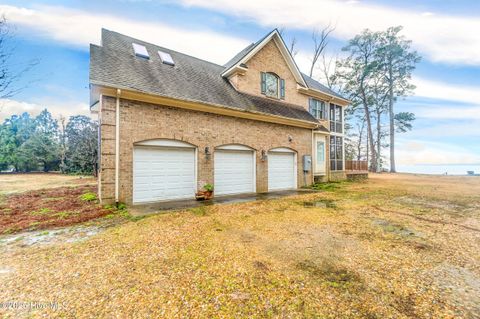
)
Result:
{"points": [[269, 59], [142, 121]]}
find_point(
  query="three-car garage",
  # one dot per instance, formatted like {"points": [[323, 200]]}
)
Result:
{"points": [[167, 170]]}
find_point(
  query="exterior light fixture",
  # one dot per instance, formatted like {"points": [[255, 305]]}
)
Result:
{"points": [[290, 138], [264, 156], [207, 153]]}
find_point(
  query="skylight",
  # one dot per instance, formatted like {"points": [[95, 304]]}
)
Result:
{"points": [[140, 50], [166, 58]]}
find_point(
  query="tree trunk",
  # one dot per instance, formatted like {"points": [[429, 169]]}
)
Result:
{"points": [[359, 146], [379, 140], [392, 125], [373, 154]]}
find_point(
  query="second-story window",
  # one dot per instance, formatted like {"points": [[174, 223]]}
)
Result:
{"points": [[318, 109], [336, 118], [272, 85]]}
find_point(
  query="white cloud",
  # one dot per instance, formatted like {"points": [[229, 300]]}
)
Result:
{"points": [[414, 152], [446, 91], [440, 37], [79, 28], [448, 112], [450, 129], [8, 107]]}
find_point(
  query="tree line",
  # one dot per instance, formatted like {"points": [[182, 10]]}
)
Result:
{"points": [[43, 143], [374, 73]]}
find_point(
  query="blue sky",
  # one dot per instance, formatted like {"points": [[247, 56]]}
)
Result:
{"points": [[447, 129]]}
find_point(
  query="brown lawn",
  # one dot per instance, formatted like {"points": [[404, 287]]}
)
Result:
{"points": [[16, 183], [395, 246]]}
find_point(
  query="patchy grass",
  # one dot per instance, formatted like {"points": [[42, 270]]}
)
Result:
{"points": [[89, 197], [199, 211], [371, 255], [37, 209]]}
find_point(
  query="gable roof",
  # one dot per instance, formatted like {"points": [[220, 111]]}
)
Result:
{"points": [[114, 64], [243, 56]]}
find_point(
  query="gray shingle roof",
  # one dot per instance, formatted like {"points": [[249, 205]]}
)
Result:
{"points": [[114, 64], [244, 52], [313, 84]]}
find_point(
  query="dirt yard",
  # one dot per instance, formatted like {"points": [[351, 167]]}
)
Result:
{"points": [[395, 246]]}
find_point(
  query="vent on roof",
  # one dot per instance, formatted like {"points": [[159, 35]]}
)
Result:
{"points": [[140, 50], [166, 58]]}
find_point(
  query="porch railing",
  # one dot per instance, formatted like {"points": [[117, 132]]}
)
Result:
{"points": [[356, 165]]}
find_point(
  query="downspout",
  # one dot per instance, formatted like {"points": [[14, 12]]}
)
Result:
{"points": [[314, 157], [117, 146]]}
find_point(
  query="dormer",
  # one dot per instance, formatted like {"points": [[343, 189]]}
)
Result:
{"points": [[266, 68]]}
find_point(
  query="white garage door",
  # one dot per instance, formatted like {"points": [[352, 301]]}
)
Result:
{"points": [[281, 171], [234, 172], [163, 173]]}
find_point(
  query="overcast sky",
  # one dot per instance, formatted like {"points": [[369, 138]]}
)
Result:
{"points": [[445, 33]]}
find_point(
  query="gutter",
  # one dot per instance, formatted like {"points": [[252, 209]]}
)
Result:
{"points": [[108, 89], [117, 146]]}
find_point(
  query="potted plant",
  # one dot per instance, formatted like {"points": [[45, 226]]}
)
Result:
{"points": [[205, 193]]}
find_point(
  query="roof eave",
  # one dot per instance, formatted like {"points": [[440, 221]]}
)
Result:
{"points": [[109, 89], [329, 97]]}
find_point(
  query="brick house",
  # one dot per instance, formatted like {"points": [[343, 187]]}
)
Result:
{"points": [[170, 123]]}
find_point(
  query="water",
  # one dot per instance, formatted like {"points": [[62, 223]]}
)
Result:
{"points": [[439, 169]]}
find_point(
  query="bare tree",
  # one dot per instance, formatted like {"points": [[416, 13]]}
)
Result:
{"points": [[293, 42], [293, 50], [320, 42], [10, 76]]}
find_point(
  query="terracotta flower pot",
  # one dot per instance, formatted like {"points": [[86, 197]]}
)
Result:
{"points": [[208, 194], [204, 195]]}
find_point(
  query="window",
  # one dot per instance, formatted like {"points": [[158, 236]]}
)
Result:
{"points": [[140, 50], [320, 156], [166, 58], [336, 153], [318, 109], [336, 118], [272, 85]]}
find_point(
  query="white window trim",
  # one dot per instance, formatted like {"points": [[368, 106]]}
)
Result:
{"points": [[326, 107]]}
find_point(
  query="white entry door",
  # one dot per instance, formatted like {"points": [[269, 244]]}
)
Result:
{"points": [[281, 171], [234, 172], [163, 173]]}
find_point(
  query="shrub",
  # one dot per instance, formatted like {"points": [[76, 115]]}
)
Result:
{"points": [[89, 197], [208, 187]]}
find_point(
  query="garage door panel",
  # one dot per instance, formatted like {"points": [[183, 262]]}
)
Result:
{"points": [[281, 171], [163, 173], [234, 172]]}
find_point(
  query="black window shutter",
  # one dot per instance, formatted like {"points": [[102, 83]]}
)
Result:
{"points": [[263, 83], [310, 106], [282, 88]]}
